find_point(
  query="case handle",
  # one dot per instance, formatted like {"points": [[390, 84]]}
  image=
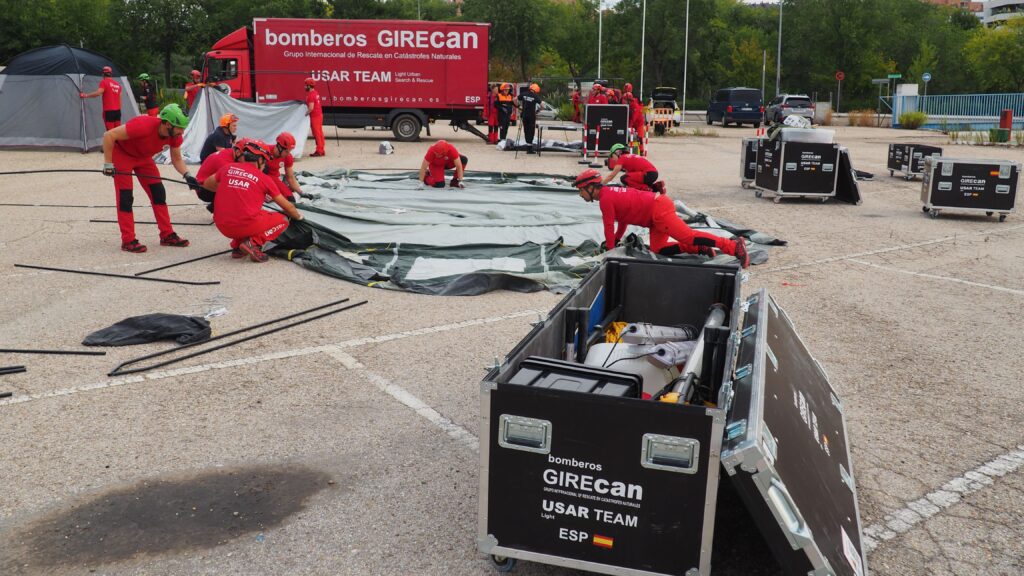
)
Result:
{"points": [[786, 511]]}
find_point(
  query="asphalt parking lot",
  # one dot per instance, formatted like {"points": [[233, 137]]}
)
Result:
{"points": [[348, 445]]}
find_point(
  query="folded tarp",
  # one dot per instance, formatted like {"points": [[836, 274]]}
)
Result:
{"points": [[151, 328], [261, 121], [521, 232]]}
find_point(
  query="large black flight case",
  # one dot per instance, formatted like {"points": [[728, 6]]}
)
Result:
{"points": [[748, 161], [909, 158], [581, 468], [611, 121], [969, 185], [796, 169]]}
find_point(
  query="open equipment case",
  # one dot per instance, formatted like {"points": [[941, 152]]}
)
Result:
{"points": [[909, 159], [580, 468], [969, 185], [748, 161]]}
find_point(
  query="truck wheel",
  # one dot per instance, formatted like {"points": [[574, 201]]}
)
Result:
{"points": [[1002, 217], [406, 128], [503, 564], [709, 118]]}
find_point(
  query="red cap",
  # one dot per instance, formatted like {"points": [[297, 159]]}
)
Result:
{"points": [[107, 70]]}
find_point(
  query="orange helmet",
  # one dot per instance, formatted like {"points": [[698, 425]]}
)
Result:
{"points": [[286, 140], [534, 87], [506, 86], [310, 82], [227, 120], [588, 176]]}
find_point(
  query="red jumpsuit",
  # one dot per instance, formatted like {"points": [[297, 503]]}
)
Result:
{"points": [[437, 166], [576, 106], [191, 90], [639, 172], [316, 120], [492, 118], [274, 171], [238, 212], [638, 123], [111, 103], [657, 212], [213, 163], [136, 155]]}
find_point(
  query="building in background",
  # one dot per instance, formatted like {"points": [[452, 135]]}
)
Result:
{"points": [[998, 11]]}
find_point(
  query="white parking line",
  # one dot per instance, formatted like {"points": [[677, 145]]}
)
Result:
{"points": [[952, 492], [936, 277], [329, 348], [1000, 230]]}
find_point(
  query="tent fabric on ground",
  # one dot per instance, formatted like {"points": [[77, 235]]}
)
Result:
{"points": [[260, 121], [546, 145], [39, 102], [520, 232]]}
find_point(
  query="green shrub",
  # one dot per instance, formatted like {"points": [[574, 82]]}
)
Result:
{"points": [[165, 96], [565, 111], [913, 120]]}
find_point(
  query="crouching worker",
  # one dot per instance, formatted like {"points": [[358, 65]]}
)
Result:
{"points": [[213, 163], [239, 213], [281, 155], [639, 172], [440, 157], [623, 207]]}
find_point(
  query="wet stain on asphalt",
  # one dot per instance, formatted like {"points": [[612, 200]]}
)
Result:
{"points": [[159, 516]]}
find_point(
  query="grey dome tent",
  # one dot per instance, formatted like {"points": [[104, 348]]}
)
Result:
{"points": [[39, 103]]}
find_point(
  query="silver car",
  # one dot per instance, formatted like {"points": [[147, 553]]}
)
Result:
{"points": [[789, 105]]}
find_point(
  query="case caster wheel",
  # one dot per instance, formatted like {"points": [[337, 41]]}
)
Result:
{"points": [[908, 177], [934, 214], [778, 199], [503, 564], [892, 173], [758, 194], [988, 213], [824, 199], [924, 209], [1002, 217], [745, 184]]}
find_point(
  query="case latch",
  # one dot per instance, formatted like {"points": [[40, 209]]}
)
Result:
{"points": [[526, 434], [670, 453]]}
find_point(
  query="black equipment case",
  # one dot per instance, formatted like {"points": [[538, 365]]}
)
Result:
{"points": [[577, 470], [748, 161], [612, 120], [969, 185], [909, 158], [803, 169]]}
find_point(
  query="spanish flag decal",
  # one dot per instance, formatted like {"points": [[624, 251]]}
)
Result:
{"points": [[603, 541], [993, 173]]}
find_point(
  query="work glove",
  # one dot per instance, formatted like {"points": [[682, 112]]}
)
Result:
{"points": [[193, 184], [456, 183], [108, 169]]}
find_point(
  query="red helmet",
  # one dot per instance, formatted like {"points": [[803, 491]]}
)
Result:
{"points": [[257, 149], [240, 144], [627, 87], [196, 74], [286, 140], [588, 176], [107, 70], [310, 82]]}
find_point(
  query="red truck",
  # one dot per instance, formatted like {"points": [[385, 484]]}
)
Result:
{"points": [[399, 74]]}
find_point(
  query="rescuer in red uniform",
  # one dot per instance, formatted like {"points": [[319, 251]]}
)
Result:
{"points": [[281, 155], [212, 164], [597, 95], [492, 115], [623, 207], [192, 89], [636, 117], [639, 172], [576, 106], [316, 116], [111, 92], [147, 95], [440, 157], [130, 148], [241, 190]]}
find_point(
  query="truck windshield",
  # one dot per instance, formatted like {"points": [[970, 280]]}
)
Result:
{"points": [[222, 69]]}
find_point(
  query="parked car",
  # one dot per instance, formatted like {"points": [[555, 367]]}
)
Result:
{"points": [[739, 105], [547, 112], [664, 97], [789, 105]]}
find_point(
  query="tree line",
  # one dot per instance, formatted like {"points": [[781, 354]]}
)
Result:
{"points": [[731, 43]]}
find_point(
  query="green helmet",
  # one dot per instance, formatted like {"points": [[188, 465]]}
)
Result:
{"points": [[143, 76], [615, 148], [172, 113]]}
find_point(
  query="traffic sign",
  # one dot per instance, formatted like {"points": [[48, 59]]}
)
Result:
{"points": [[880, 81], [927, 77], [840, 76], [896, 75]]}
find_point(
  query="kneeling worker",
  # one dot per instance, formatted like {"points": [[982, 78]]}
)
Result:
{"points": [[281, 155], [639, 172], [238, 213], [213, 163], [440, 157], [631, 207]]}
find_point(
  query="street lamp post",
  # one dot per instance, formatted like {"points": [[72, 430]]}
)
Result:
{"points": [[600, 13], [686, 59], [778, 54], [643, 44]]}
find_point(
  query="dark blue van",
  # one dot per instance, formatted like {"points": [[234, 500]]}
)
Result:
{"points": [[739, 105]]}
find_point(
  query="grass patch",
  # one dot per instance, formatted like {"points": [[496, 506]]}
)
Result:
{"points": [[912, 120]]}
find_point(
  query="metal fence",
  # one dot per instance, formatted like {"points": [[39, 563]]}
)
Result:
{"points": [[975, 110]]}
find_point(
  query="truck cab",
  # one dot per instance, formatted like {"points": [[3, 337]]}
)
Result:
{"points": [[229, 63]]}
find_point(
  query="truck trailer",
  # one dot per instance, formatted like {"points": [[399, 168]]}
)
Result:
{"points": [[397, 74]]}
